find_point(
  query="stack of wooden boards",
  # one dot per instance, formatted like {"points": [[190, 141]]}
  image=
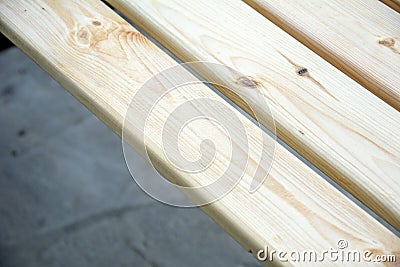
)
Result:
{"points": [[335, 101]]}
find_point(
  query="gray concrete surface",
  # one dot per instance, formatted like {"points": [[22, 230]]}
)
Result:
{"points": [[66, 197]]}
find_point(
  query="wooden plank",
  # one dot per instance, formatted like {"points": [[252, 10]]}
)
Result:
{"points": [[359, 37], [395, 4], [103, 61], [335, 123]]}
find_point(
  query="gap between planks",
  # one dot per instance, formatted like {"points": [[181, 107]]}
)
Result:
{"points": [[359, 37], [332, 121], [102, 61], [395, 4]]}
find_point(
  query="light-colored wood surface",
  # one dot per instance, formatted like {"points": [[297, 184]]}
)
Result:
{"points": [[360, 37], [103, 61], [395, 4], [343, 129]]}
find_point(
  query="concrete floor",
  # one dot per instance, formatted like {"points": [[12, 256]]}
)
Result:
{"points": [[66, 197]]}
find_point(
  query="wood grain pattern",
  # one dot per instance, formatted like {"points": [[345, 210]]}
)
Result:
{"points": [[395, 4], [103, 61], [331, 120], [360, 37]]}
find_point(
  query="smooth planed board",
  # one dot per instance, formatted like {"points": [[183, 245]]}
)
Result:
{"points": [[395, 4], [359, 37], [103, 61], [343, 129]]}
